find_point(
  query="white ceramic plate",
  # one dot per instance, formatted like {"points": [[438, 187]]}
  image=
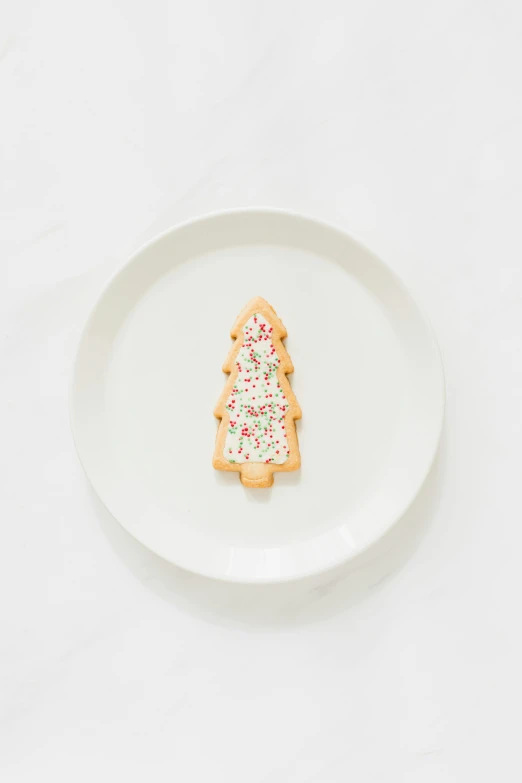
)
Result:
{"points": [[368, 377]]}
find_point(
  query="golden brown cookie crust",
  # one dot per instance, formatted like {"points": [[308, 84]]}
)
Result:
{"points": [[258, 474]]}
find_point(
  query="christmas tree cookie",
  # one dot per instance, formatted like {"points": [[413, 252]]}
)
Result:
{"points": [[256, 435]]}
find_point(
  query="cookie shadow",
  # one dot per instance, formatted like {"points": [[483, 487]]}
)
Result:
{"points": [[305, 601]]}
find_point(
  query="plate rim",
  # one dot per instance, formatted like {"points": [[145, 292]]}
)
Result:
{"points": [[344, 557]]}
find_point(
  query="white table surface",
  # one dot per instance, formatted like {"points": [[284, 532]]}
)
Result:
{"points": [[401, 123]]}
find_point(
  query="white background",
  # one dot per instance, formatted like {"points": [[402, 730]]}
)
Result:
{"points": [[399, 121]]}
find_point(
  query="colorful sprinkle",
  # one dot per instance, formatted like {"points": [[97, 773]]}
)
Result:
{"points": [[257, 415]]}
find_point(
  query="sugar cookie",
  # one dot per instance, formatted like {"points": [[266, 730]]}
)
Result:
{"points": [[257, 435]]}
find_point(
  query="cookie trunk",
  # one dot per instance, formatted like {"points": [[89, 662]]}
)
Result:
{"points": [[256, 475]]}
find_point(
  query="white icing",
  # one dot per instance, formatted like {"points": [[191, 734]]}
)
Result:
{"points": [[257, 404]]}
